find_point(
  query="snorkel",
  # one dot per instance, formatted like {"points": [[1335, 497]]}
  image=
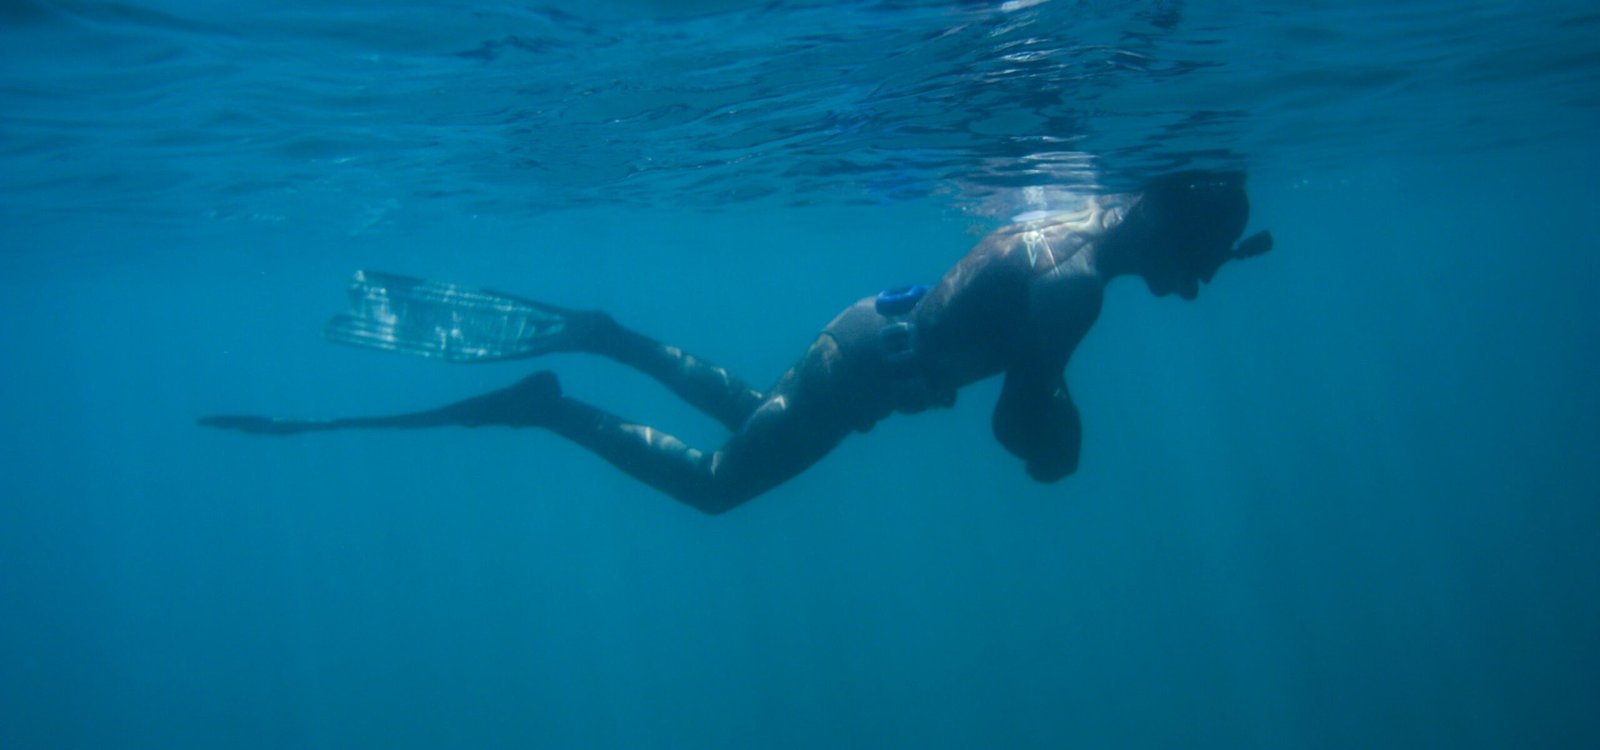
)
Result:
{"points": [[1256, 244]]}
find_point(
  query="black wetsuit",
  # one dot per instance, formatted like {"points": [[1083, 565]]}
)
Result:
{"points": [[844, 383], [1019, 303]]}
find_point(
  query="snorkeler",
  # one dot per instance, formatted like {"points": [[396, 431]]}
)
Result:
{"points": [[1018, 304]]}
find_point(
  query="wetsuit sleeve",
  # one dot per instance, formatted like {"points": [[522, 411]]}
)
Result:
{"points": [[1036, 421]]}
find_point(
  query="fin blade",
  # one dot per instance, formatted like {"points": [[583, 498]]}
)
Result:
{"points": [[445, 321]]}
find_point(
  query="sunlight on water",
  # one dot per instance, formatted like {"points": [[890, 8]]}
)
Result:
{"points": [[222, 111]]}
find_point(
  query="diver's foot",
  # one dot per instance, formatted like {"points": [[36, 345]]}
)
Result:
{"points": [[592, 331], [525, 403]]}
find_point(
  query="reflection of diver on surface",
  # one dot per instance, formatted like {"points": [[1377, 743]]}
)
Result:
{"points": [[1017, 304]]}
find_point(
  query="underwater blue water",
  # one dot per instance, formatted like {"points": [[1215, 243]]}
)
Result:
{"points": [[1347, 498]]}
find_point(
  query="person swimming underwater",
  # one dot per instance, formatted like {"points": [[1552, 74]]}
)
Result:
{"points": [[1018, 304]]}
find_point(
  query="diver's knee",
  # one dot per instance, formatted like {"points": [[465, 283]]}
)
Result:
{"points": [[724, 490]]}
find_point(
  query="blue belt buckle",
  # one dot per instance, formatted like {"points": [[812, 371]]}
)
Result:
{"points": [[900, 300]]}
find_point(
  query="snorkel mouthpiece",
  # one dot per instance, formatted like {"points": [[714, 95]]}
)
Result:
{"points": [[1256, 244]]}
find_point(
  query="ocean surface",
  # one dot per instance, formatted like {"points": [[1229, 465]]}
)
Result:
{"points": [[1348, 498]]}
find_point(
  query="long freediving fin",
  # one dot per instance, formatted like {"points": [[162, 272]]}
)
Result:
{"points": [[526, 403], [446, 321]]}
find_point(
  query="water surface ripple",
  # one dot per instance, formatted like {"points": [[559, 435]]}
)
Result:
{"points": [[183, 110]]}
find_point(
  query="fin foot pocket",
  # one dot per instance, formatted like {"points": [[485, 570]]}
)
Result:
{"points": [[525, 403]]}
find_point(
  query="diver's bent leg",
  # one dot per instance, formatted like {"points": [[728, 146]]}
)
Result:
{"points": [[648, 455], [463, 324], [705, 386], [773, 446]]}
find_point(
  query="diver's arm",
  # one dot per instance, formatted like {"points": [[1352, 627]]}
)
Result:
{"points": [[1037, 422], [1035, 418]]}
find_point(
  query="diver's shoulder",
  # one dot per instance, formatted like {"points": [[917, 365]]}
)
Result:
{"points": [[1091, 215], [1000, 248]]}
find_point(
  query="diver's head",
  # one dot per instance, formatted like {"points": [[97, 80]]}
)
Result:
{"points": [[1190, 222]]}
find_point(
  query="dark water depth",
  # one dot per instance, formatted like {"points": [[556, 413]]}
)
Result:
{"points": [[1347, 498]]}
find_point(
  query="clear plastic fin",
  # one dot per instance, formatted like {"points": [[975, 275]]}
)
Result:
{"points": [[445, 321]]}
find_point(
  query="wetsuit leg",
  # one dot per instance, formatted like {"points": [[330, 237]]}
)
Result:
{"points": [[705, 386], [800, 421]]}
